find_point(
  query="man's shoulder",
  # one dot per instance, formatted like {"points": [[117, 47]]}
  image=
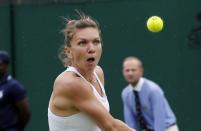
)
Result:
{"points": [[151, 85], [150, 82], [14, 83], [14, 88], [126, 90]]}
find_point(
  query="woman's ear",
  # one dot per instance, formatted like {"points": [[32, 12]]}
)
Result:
{"points": [[67, 51]]}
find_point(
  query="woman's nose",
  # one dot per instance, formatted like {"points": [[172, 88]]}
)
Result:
{"points": [[91, 48]]}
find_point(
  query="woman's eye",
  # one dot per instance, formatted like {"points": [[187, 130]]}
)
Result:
{"points": [[97, 42], [82, 43]]}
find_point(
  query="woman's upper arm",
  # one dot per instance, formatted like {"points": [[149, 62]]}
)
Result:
{"points": [[81, 96]]}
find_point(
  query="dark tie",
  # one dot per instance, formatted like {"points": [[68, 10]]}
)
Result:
{"points": [[139, 115]]}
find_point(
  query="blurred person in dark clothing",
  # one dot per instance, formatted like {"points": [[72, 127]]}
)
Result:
{"points": [[14, 105]]}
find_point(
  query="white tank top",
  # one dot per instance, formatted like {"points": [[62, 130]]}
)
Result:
{"points": [[79, 121]]}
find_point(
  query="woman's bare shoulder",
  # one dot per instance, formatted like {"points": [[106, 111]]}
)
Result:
{"points": [[99, 70], [100, 73], [70, 84]]}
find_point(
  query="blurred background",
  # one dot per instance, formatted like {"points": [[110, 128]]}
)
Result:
{"points": [[30, 32]]}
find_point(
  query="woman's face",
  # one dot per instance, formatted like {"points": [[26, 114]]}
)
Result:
{"points": [[86, 48]]}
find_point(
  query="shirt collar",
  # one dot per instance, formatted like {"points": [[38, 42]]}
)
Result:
{"points": [[138, 86]]}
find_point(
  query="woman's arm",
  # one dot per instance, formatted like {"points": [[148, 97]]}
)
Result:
{"points": [[86, 102]]}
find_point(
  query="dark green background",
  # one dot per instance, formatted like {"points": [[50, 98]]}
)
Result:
{"points": [[168, 57]]}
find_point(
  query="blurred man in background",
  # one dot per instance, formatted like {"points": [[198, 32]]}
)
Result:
{"points": [[14, 106], [145, 106]]}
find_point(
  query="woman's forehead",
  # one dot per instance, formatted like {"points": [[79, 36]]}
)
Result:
{"points": [[87, 33]]}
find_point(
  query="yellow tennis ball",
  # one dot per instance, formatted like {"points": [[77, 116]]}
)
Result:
{"points": [[154, 24]]}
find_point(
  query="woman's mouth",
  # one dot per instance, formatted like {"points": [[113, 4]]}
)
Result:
{"points": [[91, 59]]}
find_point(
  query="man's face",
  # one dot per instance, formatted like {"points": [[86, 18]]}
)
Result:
{"points": [[132, 71], [3, 69]]}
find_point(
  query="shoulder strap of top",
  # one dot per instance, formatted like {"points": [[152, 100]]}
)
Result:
{"points": [[100, 83]]}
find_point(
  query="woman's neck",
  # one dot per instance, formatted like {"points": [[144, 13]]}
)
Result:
{"points": [[88, 74]]}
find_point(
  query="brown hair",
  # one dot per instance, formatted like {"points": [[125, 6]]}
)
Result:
{"points": [[83, 21]]}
